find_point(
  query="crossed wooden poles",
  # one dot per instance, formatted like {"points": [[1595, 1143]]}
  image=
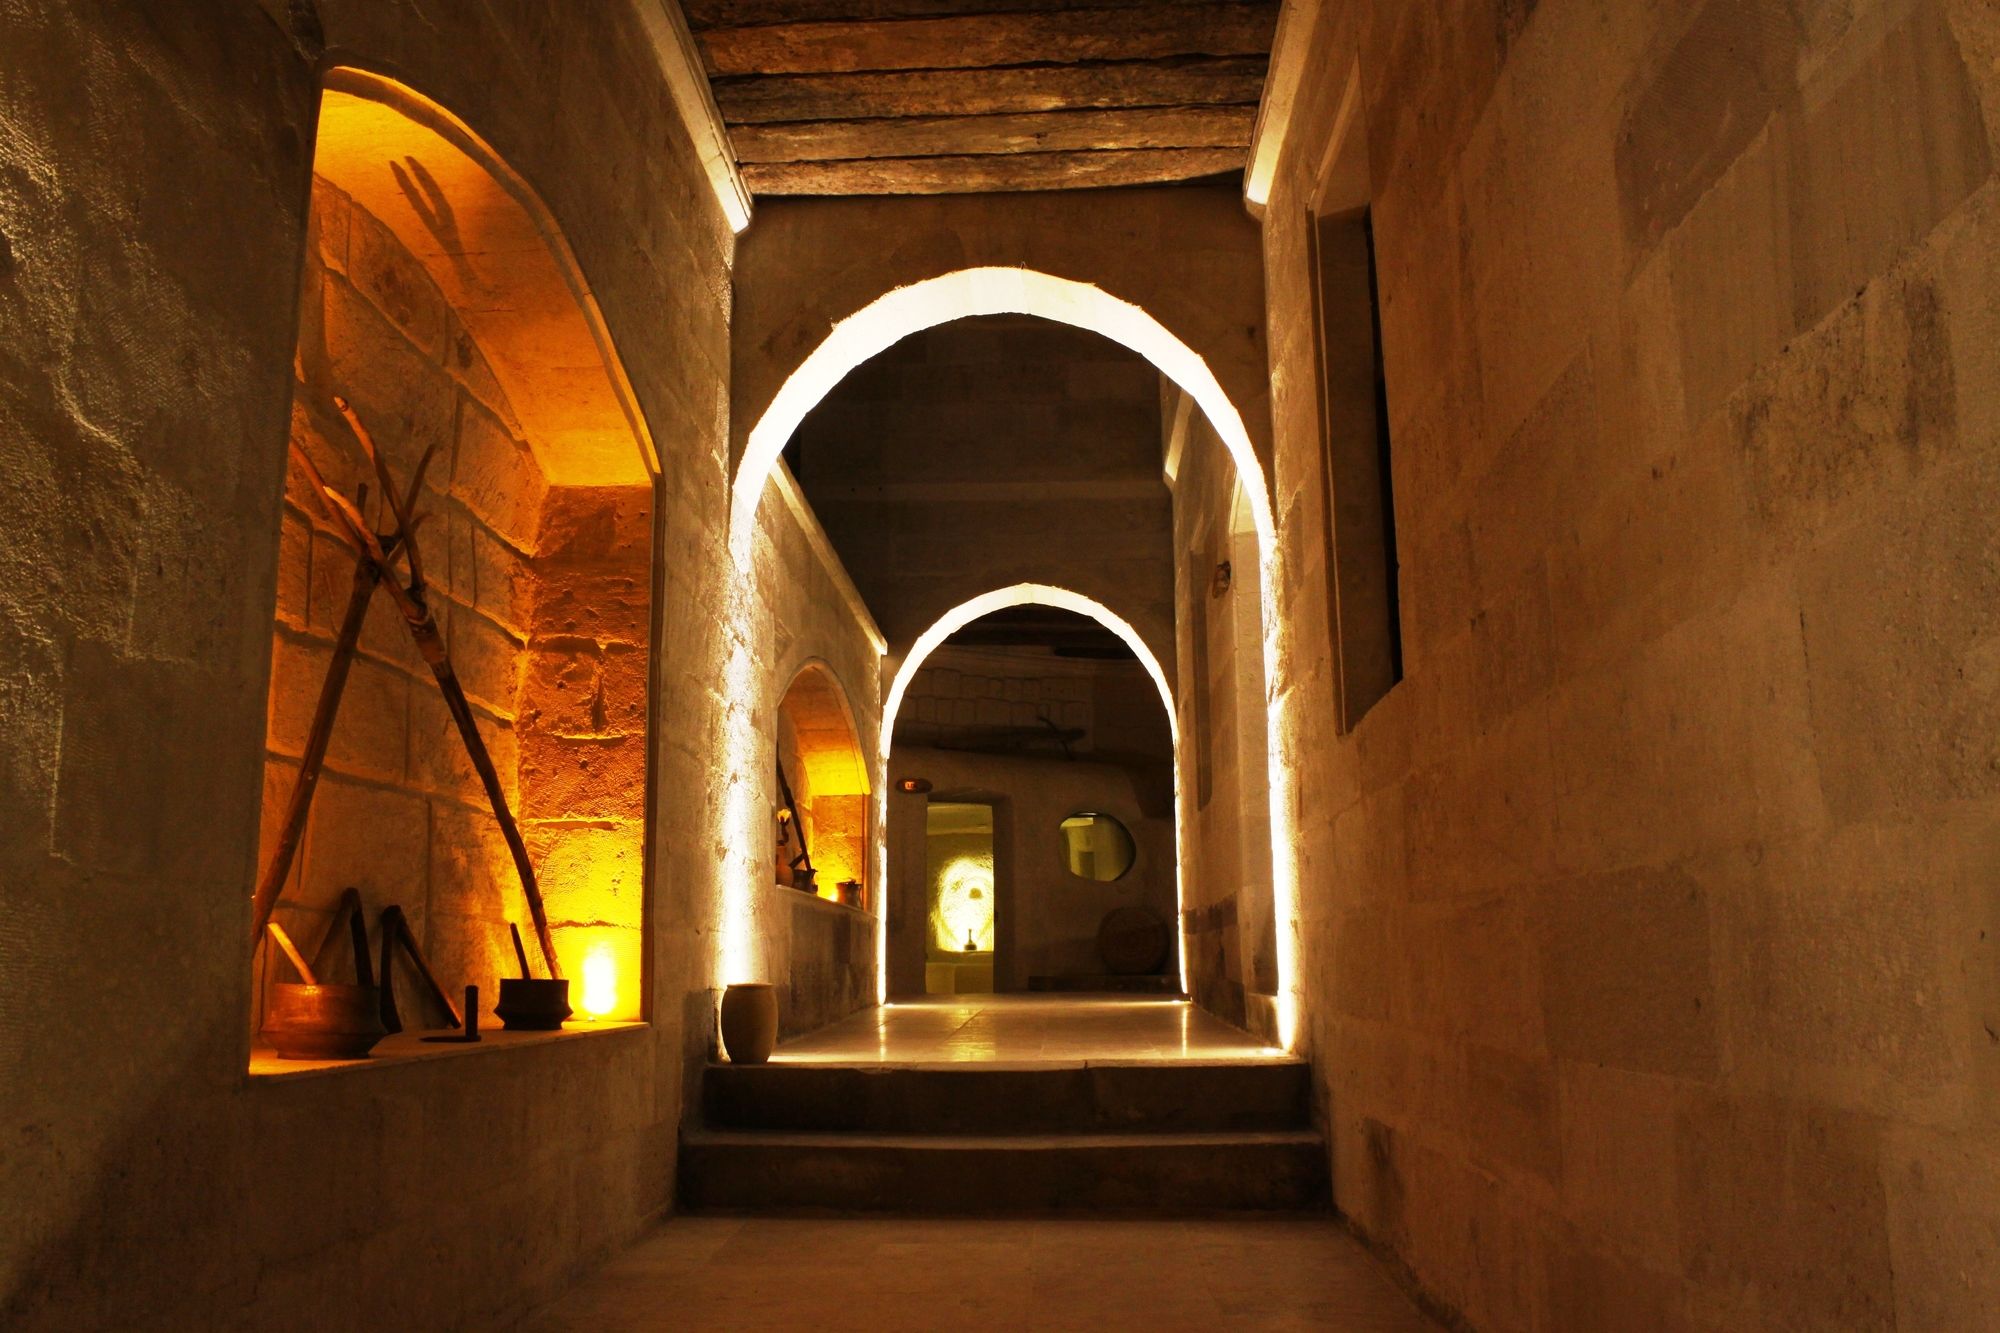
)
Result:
{"points": [[375, 556]]}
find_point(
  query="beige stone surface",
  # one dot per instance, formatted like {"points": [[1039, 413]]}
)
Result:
{"points": [[989, 452], [1015, 1274], [1641, 922], [157, 165]]}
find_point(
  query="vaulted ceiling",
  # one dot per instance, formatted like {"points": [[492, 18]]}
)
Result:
{"points": [[957, 96]]}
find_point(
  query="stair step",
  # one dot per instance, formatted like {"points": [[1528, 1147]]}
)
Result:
{"points": [[1178, 1096], [1022, 1173]]}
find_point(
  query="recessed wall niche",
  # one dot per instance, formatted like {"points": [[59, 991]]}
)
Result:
{"points": [[820, 762], [438, 300]]}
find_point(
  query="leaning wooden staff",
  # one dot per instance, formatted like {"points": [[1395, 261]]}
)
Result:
{"points": [[375, 557]]}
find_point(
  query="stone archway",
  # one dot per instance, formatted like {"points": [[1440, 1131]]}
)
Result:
{"points": [[991, 290], [1020, 594]]}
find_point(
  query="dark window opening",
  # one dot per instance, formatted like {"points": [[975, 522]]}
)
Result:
{"points": [[1364, 600]]}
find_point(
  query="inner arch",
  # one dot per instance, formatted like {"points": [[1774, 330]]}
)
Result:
{"points": [[956, 619]]}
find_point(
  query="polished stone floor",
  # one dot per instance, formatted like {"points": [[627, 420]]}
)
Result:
{"points": [[702, 1273], [1026, 1029]]}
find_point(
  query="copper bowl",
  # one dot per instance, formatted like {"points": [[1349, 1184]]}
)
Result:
{"points": [[533, 1004], [323, 1022]]}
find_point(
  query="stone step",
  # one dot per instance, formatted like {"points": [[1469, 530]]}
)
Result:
{"points": [[1108, 985], [1026, 1173], [1183, 1096]]}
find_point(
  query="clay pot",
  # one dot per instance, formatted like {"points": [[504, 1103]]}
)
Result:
{"points": [[323, 1022], [533, 1004], [749, 1022]]}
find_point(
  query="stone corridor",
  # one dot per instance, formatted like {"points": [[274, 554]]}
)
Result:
{"points": [[1045, 664]]}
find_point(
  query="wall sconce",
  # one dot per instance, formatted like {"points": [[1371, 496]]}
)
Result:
{"points": [[1219, 581], [915, 786]]}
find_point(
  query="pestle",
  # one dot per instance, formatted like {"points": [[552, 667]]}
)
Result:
{"points": [[471, 1032]]}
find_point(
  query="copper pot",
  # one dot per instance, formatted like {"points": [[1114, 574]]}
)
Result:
{"points": [[325, 1022], [533, 1004]]}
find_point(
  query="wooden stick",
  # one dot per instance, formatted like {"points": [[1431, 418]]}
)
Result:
{"points": [[335, 926], [367, 577], [416, 953], [391, 1020], [519, 952], [430, 643], [357, 925], [798, 821], [292, 952], [401, 510]]}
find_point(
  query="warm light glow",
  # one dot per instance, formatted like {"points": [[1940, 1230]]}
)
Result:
{"points": [[600, 984], [502, 265], [1000, 291], [604, 963], [965, 906], [746, 830]]}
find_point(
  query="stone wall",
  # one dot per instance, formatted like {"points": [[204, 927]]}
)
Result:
{"points": [[1228, 918], [805, 624], [989, 452], [1649, 921], [584, 716], [1046, 918], [155, 165], [960, 692]]}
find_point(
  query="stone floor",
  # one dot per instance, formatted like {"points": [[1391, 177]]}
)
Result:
{"points": [[701, 1273], [1026, 1029]]}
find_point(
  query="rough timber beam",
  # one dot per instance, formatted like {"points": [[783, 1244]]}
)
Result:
{"points": [[704, 14], [993, 172], [1036, 132], [1180, 82], [983, 40]]}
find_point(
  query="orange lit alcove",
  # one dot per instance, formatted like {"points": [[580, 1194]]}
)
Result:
{"points": [[438, 298], [821, 760]]}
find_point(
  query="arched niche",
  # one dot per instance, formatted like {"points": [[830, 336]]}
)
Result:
{"points": [[438, 298], [820, 755], [496, 254]]}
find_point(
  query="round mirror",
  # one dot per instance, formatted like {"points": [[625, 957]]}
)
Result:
{"points": [[1096, 846]]}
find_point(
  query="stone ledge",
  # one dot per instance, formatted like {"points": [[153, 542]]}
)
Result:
{"points": [[826, 903], [406, 1048]]}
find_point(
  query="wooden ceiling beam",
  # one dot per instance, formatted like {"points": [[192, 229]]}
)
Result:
{"points": [[998, 173], [981, 40], [1184, 81], [705, 14], [1036, 132]]}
